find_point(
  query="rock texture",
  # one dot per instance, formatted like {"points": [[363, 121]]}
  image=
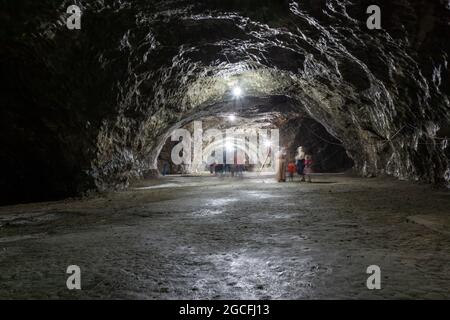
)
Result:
{"points": [[90, 109]]}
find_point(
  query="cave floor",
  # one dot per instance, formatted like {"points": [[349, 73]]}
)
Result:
{"points": [[251, 238]]}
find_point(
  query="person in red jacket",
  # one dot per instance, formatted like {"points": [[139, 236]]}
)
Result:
{"points": [[292, 168]]}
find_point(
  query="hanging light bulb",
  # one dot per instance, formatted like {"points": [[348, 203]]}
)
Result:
{"points": [[237, 91]]}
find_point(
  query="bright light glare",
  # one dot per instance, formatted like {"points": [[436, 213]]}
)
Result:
{"points": [[267, 143], [229, 146], [232, 117], [237, 91]]}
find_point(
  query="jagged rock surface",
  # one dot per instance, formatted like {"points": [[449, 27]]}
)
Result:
{"points": [[91, 109]]}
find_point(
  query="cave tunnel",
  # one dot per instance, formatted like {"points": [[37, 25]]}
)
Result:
{"points": [[94, 97], [242, 118]]}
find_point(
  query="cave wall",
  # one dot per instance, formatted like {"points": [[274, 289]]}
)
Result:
{"points": [[328, 153], [90, 109]]}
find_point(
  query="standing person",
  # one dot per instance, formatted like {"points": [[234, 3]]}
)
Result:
{"points": [[218, 169], [291, 169], [308, 167], [281, 166], [212, 164], [165, 168], [300, 159], [227, 169]]}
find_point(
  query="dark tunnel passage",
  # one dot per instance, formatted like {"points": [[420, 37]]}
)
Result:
{"points": [[92, 118]]}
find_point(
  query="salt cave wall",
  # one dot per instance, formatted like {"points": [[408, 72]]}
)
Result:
{"points": [[89, 109]]}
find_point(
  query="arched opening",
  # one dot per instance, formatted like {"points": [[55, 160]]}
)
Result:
{"points": [[295, 128]]}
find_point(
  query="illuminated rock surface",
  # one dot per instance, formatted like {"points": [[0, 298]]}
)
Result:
{"points": [[90, 109]]}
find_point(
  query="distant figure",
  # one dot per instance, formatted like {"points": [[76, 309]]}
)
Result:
{"points": [[212, 164], [291, 169], [281, 166], [239, 170], [240, 163], [300, 159], [232, 169], [227, 170], [308, 167], [184, 168], [165, 170], [218, 169]]}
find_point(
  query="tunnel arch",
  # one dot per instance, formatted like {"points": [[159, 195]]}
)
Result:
{"points": [[268, 112]]}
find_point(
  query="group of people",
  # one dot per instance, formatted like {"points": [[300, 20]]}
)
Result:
{"points": [[227, 169], [303, 166]]}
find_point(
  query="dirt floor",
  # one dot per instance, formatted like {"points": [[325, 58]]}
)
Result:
{"points": [[233, 238]]}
